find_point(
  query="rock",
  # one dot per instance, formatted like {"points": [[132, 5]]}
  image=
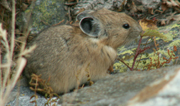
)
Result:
{"points": [[149, 3], [45, 13], [112, 4], [23, 95], [50, 12], [96, 4], [117, 89], [163, 92]]}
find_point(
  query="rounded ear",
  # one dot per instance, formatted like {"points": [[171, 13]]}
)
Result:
{"points": [[90, 26], [83, 14]]}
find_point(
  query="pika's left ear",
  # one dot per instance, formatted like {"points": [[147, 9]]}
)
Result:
{"points": [[89, 24], [83, 14]]}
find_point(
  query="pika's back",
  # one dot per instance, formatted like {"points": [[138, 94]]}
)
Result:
{"points": [[66, 54]]}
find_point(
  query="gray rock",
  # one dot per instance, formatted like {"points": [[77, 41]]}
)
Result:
{"points": [[111, 4], [163, 92], [96, 4], [115, 90], [149, 3], [21, 94], [45, 13], [50, 12]]}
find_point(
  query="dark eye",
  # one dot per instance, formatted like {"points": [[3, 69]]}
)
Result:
{"points": [[126, 26]]}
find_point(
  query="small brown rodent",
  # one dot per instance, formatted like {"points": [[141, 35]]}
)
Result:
{"points": [[67, 51]]}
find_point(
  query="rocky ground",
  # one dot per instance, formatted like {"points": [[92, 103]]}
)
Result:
{"points": [[155, 87]]}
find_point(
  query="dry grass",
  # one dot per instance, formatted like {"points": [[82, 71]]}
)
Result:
{"points": [[11, 67]]}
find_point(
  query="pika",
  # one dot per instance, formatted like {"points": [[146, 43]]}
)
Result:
{"points": [[66, 52]]}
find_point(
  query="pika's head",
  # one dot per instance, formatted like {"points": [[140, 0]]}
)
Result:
{"points": [[111, 28]]}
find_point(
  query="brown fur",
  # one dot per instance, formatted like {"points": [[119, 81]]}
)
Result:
{"points": [[65, 51]]}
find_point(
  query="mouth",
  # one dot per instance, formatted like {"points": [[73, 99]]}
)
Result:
{"points": [[139, 29], [135, 34], [132, 37]]}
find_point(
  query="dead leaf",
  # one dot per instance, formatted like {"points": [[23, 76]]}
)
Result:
{"points": [[164, 7], [177, 2], [134, 8], [150, 10], [177, 9], [150, 29], [177, 17], [170, 18], [148, 24], [141, 8], [169, 4], [174, 3], [163, 22]]}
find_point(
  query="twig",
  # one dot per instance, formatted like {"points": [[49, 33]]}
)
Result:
{"points": [[141, 55], [123, 63], [138, 51], [59, 23]]}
